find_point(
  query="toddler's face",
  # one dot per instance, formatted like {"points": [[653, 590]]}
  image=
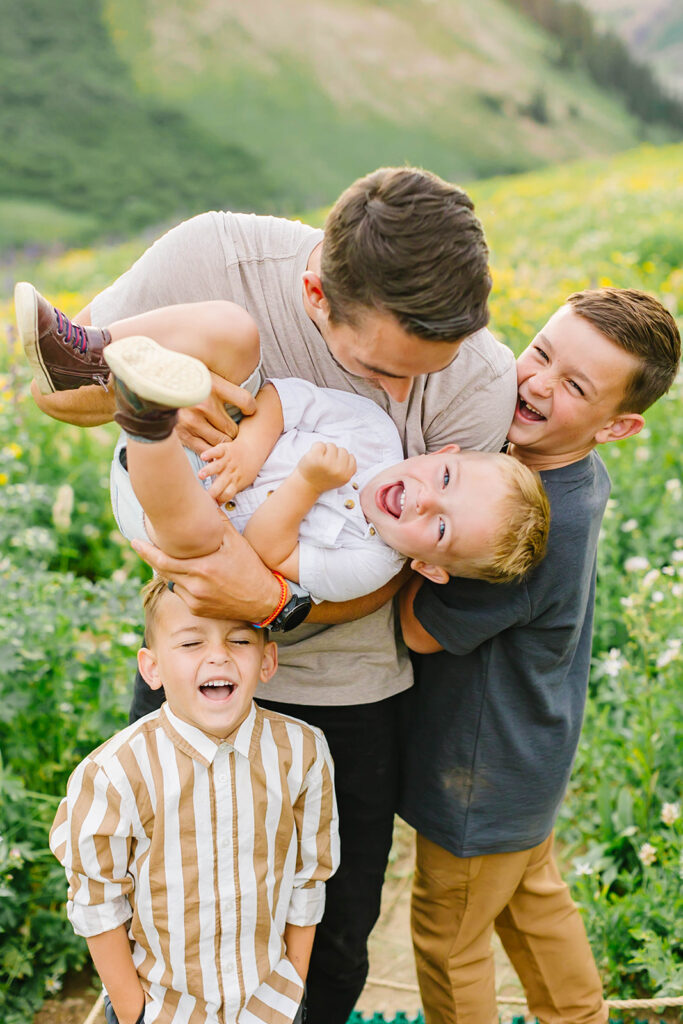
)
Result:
{"points": [[441, 509], [209, 668]]}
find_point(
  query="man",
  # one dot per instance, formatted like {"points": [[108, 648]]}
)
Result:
{"points": [[392, 304]]}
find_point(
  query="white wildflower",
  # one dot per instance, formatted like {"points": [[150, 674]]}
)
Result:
{"points": [[668, 570], [613, 663], [670, 813], [647, 854], [677, 556], [674, 487], [53, 985], [677, 590], [627, 602], [657, 596], [582, 867], [642, 454], [629, 526], [650, 577], [129, 639], [636, 563]]}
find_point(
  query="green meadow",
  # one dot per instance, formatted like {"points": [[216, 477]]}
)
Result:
{"points": [[70, 619]]}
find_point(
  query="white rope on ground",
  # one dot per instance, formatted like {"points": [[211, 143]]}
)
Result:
{"points": [[99, 1003], [401, 986], [615, 1004]]}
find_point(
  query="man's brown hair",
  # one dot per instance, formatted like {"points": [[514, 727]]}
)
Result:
{"points": [[403, 241], [640, 325]]}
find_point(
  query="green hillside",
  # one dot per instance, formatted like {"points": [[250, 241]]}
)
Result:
{"points": [[116, 114]]}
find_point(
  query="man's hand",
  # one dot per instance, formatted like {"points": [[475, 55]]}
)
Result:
{"points": [[209, 423], [326, 466], [231, 583]]}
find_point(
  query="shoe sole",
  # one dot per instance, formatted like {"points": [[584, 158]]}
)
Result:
{"points": [[158, 374], [26, 312]]}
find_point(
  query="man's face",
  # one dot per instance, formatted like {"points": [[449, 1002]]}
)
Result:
{"points": [[571, 381], [441, 509], [381, 351], [209, 668]]}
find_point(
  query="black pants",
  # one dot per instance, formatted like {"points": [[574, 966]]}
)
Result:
{"points": [[363, 740]]}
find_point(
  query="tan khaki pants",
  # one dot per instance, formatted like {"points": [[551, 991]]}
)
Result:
{"points": [[456, 904]]}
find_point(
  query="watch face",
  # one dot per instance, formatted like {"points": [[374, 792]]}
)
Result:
{"points": [[297, 616], [293, 614]]}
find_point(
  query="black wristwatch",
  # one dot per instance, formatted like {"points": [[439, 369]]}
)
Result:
{"points": [[294, 612]]}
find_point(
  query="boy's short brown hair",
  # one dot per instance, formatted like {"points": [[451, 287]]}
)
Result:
{"points": [[525, 514], [152, 593], [403, 241], [640, 325]]}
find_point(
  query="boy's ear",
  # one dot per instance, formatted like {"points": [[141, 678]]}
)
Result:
{"points": [[620, 427], [453, 448], [269, 662], [149, 670], [435, 573]]}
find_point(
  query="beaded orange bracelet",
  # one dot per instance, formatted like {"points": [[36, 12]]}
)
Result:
{"points": [[281, 603]]}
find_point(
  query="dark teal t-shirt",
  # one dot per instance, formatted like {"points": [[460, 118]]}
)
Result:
{"points": [[491, 727]]}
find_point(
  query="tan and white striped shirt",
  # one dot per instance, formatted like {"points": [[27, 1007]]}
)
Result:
{"points": [[207, 848]]}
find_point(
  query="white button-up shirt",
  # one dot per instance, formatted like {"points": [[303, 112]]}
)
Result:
{"points": [[206, 849], [341, 555]]}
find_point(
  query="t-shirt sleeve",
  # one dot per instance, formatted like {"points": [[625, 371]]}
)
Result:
{"points": [[345, 573], [472, 403], [463, 614], [169, 272]]}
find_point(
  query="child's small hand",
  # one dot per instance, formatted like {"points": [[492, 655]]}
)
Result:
{"points": [[326, 466], [225, 465]]}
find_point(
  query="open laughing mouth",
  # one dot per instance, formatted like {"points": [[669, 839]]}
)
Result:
{"points": [[528, 412], [391, 499], [217, 689]]}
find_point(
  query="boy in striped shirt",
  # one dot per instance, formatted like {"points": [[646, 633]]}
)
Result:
{"points": [[197, 841]]}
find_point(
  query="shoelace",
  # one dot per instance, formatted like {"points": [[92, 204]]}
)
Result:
{"points": [[72, 333]]}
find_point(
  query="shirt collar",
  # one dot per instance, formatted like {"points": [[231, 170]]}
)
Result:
{"points": [[202, 746]]}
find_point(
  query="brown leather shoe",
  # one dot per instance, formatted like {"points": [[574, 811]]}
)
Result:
{"points": [[63, 355]]}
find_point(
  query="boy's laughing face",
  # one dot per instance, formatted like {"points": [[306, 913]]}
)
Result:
{"points": [[571, 381], [209, 668], [441, 509]]}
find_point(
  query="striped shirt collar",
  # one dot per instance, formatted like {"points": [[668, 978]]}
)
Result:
{"points": [[202, 746]]}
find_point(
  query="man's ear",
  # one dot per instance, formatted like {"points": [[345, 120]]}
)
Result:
{"points": [[314, 295], [622, 426], [269, 662], [435, 573], [149, 670]]}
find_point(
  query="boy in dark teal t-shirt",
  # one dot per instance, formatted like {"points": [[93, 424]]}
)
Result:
{"points": [[499, 708]]}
